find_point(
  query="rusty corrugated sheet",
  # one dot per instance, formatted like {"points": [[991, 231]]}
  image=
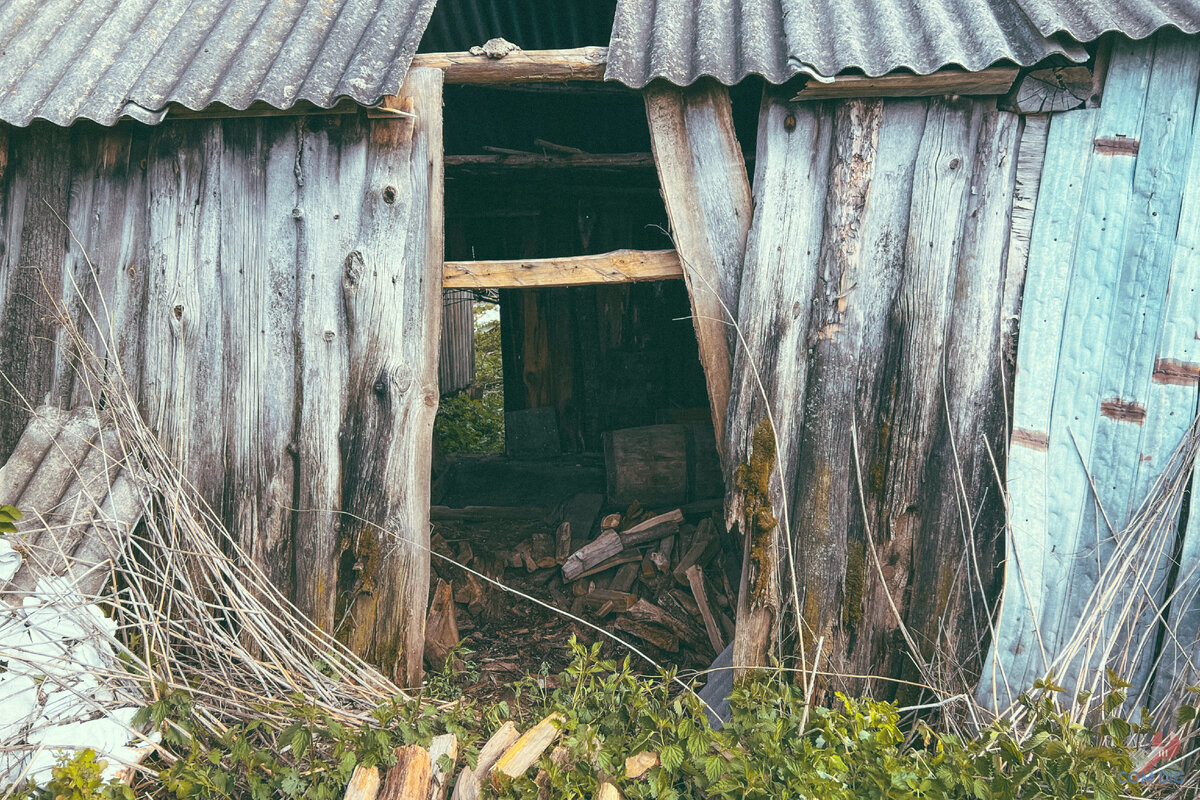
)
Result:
{"points": [[683, 40], [1088, 19], [62, 60]]}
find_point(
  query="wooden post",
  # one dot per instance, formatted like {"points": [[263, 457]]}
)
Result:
{"points": [[707, 194], [392, 284]]}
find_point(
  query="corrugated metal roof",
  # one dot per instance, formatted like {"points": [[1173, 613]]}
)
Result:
{"points": [[1086, 20], [62, 60], [682, 40]]}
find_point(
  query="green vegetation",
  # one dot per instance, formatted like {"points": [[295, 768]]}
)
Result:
{"points": [[772, 748], [8, 516], [475, 424]]}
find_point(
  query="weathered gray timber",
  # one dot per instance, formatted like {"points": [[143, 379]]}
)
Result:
{"points": [[456, 362], [707, 194], [272, 291], [870, 309]]}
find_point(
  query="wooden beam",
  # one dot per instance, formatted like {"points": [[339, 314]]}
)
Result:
{"points": [[997, 80], [519, 66], [620, 266], [490, 163]]}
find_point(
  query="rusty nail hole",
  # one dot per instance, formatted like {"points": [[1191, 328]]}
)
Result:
{"points": [[389, 195], [178, 312], [789, 123]]}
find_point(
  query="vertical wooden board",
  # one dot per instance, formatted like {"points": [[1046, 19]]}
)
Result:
{"points": [[823, 496], [1031, 157], [770, 364], [456, 359], [1177, 371], [36, 182], [258, 303], [182, 323], [1042, 322], [948, 611], [392, 290], [707, 195], [329, 187], [104, 270]]}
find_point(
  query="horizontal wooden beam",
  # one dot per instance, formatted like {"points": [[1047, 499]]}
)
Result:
{"points": [[519, 66], [994, 81], [489, 162], [619, 266]]}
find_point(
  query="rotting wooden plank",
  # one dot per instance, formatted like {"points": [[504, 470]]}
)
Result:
{"points": [[519, 66], [35, 185], [327, 216], [993, 81], [791, 168], [620, 266], [392, 290], [704, 184]]}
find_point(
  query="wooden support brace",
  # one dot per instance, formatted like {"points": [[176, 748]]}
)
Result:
{"points": [[519, 66], [620, 266]]}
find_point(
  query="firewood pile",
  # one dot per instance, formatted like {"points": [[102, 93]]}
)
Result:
{"points": [[656, 578], [429, 773]]}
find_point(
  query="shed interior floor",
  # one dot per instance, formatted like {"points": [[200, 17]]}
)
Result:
{"points": [[500, 518]]}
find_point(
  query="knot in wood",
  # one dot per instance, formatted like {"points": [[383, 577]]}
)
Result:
{"points": [[354, 268], [178, 311], [330, 336], [389, 194], [297, 213]]}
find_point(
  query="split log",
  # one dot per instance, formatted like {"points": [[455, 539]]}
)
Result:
{"points": [[624, 579], [469, 784], [702, 550], [441, 629], [651, 634], [606, 791], [409, 778], [364, 784], [646, 612], [1046, 91], [444, 745], [624, 557], [562, 542], [652, 529], [615, 601], [528, 749], [596, 552], [636, 766], [695, 578]]}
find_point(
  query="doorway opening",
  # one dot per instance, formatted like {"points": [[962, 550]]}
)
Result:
{"points": [[594, 421]]}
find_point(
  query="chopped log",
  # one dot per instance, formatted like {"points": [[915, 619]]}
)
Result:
{"points": [[695, 576], [409, 778], [636, 766], [519, 66], [441, 629], [581, 512], [652, 529], [618, 601], [469, 783], [611, 521], [444, 745], [619, 266], [1046, 91], [625, 577], [528, 749], [702, 550], [651, 634], [606, 791], [646, 612], [661, 555], [624, 557], [364, 784], [604, 547], [469, 590], [562, 542]]}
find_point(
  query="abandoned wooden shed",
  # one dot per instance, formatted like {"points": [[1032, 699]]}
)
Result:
{"points": [[261, 203]]}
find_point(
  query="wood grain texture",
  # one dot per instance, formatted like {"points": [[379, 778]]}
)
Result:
{"points": [[703, 178], [994, 81], [519, 66], [620, 266], [902, 258]]}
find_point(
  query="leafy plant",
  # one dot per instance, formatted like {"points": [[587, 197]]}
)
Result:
{"points": [[8, 516], [475, 424]]}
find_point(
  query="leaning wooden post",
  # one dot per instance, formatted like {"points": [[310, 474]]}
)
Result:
{"points": [[392, 287], [707, 194]]}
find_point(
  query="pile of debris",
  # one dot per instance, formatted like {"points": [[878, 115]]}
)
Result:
{"points": [[661, 579]]}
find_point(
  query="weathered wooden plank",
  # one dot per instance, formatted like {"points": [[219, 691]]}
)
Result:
{"points": [[791, 169], [456, 357], [35, 184], [494, 163], [1031, 155], [620, 266], [329, 192], [993, 81], [519, 66], [392, 291], [703, 178]]}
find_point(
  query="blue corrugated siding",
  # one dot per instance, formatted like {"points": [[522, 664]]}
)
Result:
{"points": [[1094, 424]]}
